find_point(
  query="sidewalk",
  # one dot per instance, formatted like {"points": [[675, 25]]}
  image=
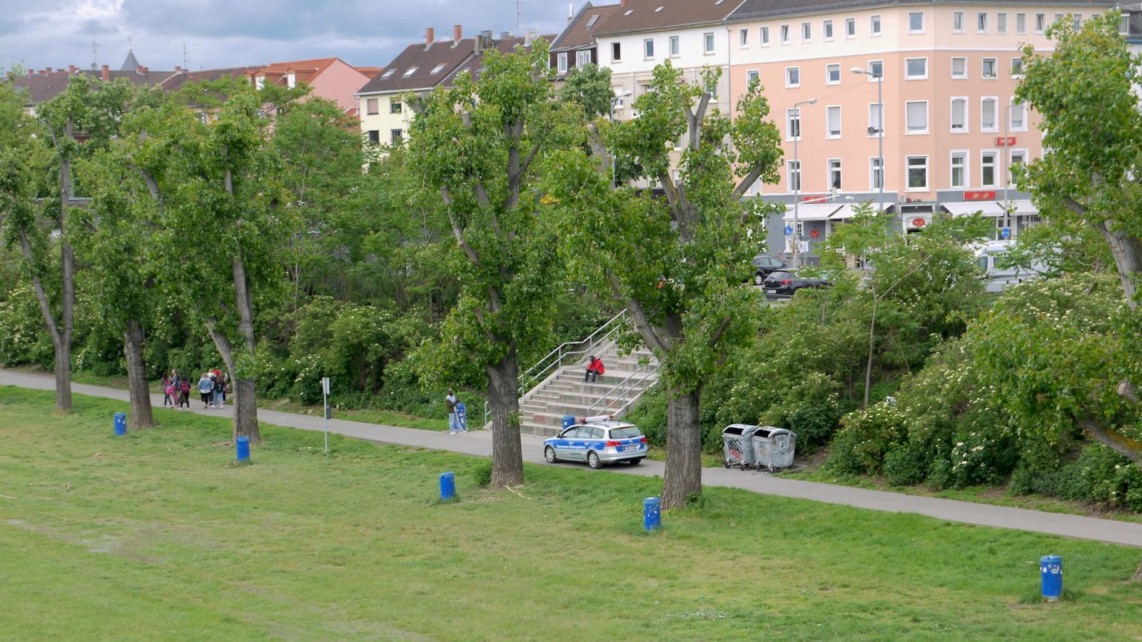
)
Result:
{"points": [[479, 443]]}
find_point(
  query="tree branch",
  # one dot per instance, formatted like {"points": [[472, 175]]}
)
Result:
{"points": [[641, 320], [1116, 441]]}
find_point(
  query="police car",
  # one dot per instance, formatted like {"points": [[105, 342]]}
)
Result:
{"points": [[597, 441]]}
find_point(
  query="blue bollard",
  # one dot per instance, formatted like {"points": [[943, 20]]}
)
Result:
{"points": [[120, 423], [651, 514], [447, 487], [1051, 574], [242, 444], [568, 421]]}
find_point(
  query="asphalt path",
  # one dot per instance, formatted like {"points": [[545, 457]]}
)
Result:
{"points": [[479, 443]]}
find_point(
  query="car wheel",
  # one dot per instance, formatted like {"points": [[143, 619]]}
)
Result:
{"points": [[636, 461], [593, 460], [549, 455], [758, 279]]}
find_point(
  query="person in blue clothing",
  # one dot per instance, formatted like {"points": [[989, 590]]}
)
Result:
{"points": [[206, 389]]}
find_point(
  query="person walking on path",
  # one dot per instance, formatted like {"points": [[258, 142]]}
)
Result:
{"points": [[206, 390], [184, 393], [219, 392], [595, 368], [169, 388], [453, 420]]}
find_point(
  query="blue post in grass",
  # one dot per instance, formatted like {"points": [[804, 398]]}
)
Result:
{"points": [[447, 487], [651, 514], [1051, 574], [242, 445], [120, 423]]}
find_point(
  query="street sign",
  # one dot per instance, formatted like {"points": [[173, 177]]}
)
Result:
{"points": [[1005, 141], [814, 233], [1005, 232], [979, 195], [788, 230]]}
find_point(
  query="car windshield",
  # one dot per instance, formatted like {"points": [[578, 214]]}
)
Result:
{"points": [[777, 276], [625, 432]]}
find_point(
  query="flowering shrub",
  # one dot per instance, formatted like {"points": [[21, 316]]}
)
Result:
{"points": [[866, 437]]}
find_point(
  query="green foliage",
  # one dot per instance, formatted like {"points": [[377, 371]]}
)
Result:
{"points": [[23, 340], [589, 86], [650, 415], [866, 437]]}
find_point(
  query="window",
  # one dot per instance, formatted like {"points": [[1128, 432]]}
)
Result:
{"points": [[874, 25], [372, 106], [1020, 23], [875, 122], [765, 35], [875, 175], [1018, 157], [388, 73], [987, 115], [561, 62], [916, 113], [959, 115], [620, 96], [375, 136], [834, 174], [876, 70], [959, 170], [916, 68], [1078, 21], [981, 22], [833, 121], [743, 37], [792, 76], [987, 169], [784, 34], [958, 22], [1016, 67], [1018, 122], [411, 71], [583, 58], [396, 107], [397, 136], [648, 48], [709, 40], [1001, 23], [806, 32], [917, 172], [850, 27], [616, 52], [987, 70], [793, 124], [752, 77], [827, 27], [832, 74], [712, 88], [1040, 22], [674, 49], [795, 175], [959, 68], [916, 22]]}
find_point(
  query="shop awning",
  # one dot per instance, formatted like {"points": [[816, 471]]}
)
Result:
{"points": [[987, 208], [848, 210], [811, 211]]}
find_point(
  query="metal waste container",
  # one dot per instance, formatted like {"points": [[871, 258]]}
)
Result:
{"points": [[736, 445], [773, 447]]}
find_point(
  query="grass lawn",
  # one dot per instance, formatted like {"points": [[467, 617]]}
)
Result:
{"points": [[158, 535]]}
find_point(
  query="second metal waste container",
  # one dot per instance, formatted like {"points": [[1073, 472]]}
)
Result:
{"points": [[737, 449], [773, 447]]}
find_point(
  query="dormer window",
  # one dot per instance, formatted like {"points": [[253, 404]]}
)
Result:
{"points": [[388, 73], [411, 71], [437, 69]]}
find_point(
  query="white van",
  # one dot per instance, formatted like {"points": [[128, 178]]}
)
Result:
{"points": [[996, 278]]}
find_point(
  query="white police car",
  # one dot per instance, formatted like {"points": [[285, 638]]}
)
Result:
{"points": [[597, 441]]}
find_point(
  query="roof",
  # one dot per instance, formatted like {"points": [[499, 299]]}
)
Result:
{"points": [[41, 86], [580, 32], [754, 9], [180, 77], [302, 70], [130, 63], [635, 16], [421, 66], [474, 64]]}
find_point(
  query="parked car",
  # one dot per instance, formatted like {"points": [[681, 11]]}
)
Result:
{"points": [[784, 283], [764, 265], [597, 441]]}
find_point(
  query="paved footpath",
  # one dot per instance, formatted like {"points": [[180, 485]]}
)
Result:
{"points": [[479, 443]]}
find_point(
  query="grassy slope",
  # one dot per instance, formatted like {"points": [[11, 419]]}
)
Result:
{"points": [[157, 535]]}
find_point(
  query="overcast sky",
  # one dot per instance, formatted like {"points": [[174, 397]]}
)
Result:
{"points": [[233, 33]]}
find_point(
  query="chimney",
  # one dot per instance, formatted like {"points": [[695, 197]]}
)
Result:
{"points": [[570, 11], [105, 74], [529, 37], [457, 33], [71, 69], [429, 35]]}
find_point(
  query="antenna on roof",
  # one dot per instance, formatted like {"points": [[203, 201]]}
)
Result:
{"points": [[94, 49], [517, 14], [185, 64]]}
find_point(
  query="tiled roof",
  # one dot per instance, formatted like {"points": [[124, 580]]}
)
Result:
{"points": [[755, 9], [634, 16], [41, 86], [181, 77], [580, 32], [474, 64], [421, 66], [303, 70]]}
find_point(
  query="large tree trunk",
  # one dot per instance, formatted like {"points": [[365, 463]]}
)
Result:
{"points": [[1127, 252], [244, 400], [59, 332], [503, 400], [683, 450], [137, 384]]}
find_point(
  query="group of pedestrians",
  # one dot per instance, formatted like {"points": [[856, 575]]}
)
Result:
{"points": [[213, 387]]}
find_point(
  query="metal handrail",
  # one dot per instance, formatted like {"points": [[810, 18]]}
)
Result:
{"points": [[623, 388]]}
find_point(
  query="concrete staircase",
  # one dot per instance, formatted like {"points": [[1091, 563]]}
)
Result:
{"points": [[563, 393]]}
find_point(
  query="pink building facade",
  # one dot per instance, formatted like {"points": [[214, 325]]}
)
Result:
{"points": [[935, 79]]}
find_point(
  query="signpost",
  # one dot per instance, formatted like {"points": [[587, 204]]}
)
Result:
{"points": [[325, 396]]}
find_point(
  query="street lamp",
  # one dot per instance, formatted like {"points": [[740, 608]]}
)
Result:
{"points": [[1006, 168], [879, 78], [797, 186]]}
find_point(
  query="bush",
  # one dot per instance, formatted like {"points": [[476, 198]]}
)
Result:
{"points": [[649, 414], [1104, 476], [814, 422], [907, 465], [866, 437]]}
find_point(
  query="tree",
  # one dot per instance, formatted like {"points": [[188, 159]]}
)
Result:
{"points": [[1085, 95], [677, 256], [479, 146]]}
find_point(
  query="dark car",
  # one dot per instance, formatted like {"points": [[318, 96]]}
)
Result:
{"points": [[783, 283], [764, 265]]}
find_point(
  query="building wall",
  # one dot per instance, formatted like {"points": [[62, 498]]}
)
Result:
{"points": [[339, 83], [384, 121]]}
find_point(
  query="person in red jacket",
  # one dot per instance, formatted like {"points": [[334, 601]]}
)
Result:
{"points": [[595, 368]]}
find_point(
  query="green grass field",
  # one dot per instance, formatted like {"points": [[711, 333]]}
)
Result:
{"points": [[158, 535]]}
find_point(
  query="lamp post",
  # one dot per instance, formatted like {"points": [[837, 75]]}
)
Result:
{"points": [[1006, 168], [797, 186], [879, 78]]}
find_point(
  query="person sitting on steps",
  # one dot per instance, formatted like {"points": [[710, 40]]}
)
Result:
{"points": [[595, 368]]}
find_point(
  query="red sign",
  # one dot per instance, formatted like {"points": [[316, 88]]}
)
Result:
{"points": [[919, 222], [814, 233], [1005, 142], [979, 195], [818, 198]]}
